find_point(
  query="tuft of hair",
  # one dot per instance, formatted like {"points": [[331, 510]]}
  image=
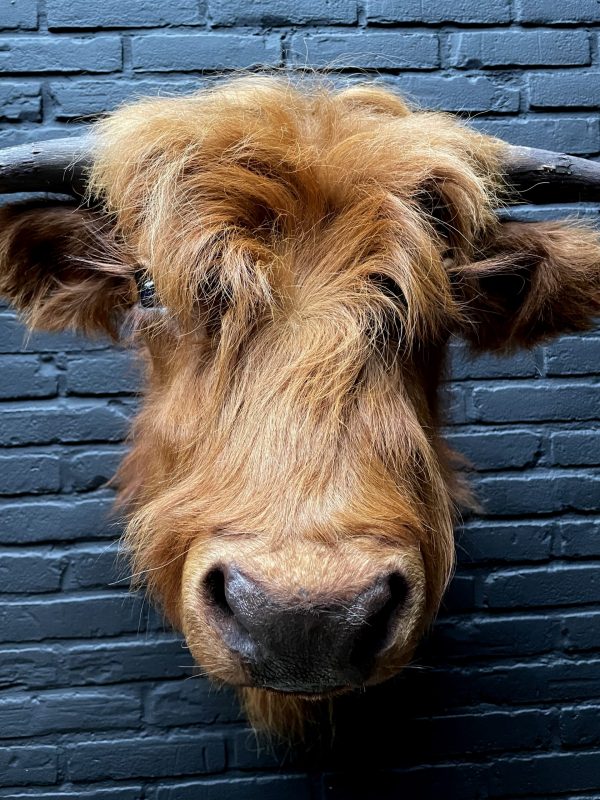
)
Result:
{"points": [[280, 717]]}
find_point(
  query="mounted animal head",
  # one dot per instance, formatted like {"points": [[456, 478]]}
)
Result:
{"points": [[290, 263]]}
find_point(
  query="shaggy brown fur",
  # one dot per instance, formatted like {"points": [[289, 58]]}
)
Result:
{"points": [[314, 249]]}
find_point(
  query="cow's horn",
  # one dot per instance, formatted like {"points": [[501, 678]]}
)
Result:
{"points": [[55, 165], [542, 176], [533, 175]]}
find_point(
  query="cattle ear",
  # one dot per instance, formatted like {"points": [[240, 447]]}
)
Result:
{"points": [[534, 281], [59, 266]]}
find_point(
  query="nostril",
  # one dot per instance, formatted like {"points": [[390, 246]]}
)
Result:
{"points": [[214, 592], [227, 617], [377, 629]]}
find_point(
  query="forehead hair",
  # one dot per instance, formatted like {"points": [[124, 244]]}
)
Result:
{"points": [[260, 198]]}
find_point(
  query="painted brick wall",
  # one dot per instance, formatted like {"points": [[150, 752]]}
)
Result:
{"points": [[505, 701]]}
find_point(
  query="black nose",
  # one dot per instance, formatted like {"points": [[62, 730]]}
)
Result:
{"points": [[304, 644]]}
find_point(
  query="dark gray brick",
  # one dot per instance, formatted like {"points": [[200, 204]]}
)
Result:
{"points": [[20, 102], [480, 541], [581, 630], [383, 50], [461, 93], [92, 469], [113, 372], [128, 792], [572, 89], [473, 50], [25, 714], [469, 11], [579, 538], [454, 400], [573, 355], [19, 14], [125, 659], [60, 54], [565, 134], [552, 772], [28, 765], [190, 702], [27, 376], [65, 422], [557, 12], [579, 726], [65, 14], [37, 666], [152, 757], [498, 636], [571, 448], [25, 572], [31, 473], [494, 450], [485, 732], [283, 12], [466, 365], [272, 787], [528, 683], [191, 53], [20, 134], [538, 492], [520, 402], [14, 336], [93, 566], [79, 98], [67, 617], [34, 520], [98, 662], [557, 585]]}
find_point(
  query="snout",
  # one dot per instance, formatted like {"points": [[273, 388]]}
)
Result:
{"points": [[304, 643]]}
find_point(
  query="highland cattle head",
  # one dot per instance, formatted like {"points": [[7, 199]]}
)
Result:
{"points": [[290, 263]]}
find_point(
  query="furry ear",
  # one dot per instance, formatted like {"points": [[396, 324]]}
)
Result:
{"points": [[59, 265], [536, 280]]}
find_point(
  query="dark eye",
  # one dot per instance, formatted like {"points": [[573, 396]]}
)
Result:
{"points": [[145, 289]]}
